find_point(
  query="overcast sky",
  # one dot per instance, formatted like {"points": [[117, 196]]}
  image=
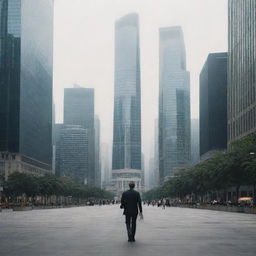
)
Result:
{"points": [[84, 50]]}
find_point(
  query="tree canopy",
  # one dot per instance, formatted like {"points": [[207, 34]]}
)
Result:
{"points": [[233, 168]]}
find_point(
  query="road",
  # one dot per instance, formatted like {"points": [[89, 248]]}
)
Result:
{"points": [[100, 230]]}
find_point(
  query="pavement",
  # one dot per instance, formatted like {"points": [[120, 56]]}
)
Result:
{"points": [[100, 230]]}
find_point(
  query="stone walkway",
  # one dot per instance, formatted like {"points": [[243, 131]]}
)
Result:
{"points": [[91, 231]]}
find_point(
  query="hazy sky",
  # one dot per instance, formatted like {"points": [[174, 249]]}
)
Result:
{"points": [[84, 50]]}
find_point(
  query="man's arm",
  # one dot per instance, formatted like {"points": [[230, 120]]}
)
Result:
{"points": [[139, 203], [122, 201]]}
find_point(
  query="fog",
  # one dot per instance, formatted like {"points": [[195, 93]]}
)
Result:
{"points": [[84, 50]]}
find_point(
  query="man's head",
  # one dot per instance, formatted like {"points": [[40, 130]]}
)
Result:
{"points": [[131, 184]]}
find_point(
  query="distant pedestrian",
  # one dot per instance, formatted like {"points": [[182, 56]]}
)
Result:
{"points": [[130, 202]]}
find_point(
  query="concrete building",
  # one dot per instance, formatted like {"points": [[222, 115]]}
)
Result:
{"points": [[72, 152], [26, 64], [127, 104], [213, 104], [174, 104], [79, 110], [241, 69], [122, 177]]}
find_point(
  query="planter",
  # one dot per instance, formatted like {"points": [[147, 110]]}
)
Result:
{"points": [[25, 208]]}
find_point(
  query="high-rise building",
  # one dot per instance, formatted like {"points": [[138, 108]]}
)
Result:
{"points": [[127, 106], [213, 105], [241, 69], [195, 156], [72, 152], [155, 178], [97, 152], [79, 106], [79, 110], [126, 157], [57, 139], [174, 104], [26, 59], [105, 165]]}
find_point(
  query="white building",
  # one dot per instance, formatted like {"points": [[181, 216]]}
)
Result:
{"points": [[121, 179]]}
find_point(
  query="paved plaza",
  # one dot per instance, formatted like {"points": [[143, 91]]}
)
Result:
{"points": [[100, 230]]}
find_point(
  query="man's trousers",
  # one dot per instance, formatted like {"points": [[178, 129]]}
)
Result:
{"points": [[130, 221]]}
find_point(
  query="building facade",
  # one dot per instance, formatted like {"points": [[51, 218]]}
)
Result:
{"points": [[195, 156], [79, 106], [97, 152], [174, 104], [127, 98], [213, 104], [26, 64], [79, 110], [121, 179], [72, 152], [105, 165], [241, 69]]}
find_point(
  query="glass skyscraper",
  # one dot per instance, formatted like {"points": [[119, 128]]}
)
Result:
{"points": [[213, 105], [26, 59], [72, 152], [127, 99], [241, 69], [174, 104], [79, 110], [79, 106]]}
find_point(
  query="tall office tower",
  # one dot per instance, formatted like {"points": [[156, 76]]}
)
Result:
{"points": [[57, 139], [156, 155], [105, 165], [174, 104], [126, 157], [79, 110], [72, 152], [241, 69], [150, 180], [53, 140], [127, 108], [195, 156], [26, 58], [143, 169], [97, 152], [79, 106], [213, 105]]}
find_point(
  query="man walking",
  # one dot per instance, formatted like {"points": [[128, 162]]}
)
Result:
{"points": [[130, 202]]}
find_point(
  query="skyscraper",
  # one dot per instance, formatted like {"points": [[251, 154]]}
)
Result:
{"points": [[26, 46], [126, 157], [79, 106], [127, 106], [72, 152], [213, 104], [174, 104], [195, 156], [241, 69], [156, 155], [79, 110], [97, 152], [105, 165]]}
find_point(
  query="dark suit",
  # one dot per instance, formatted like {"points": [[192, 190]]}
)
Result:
{"points": [[131, 201]]}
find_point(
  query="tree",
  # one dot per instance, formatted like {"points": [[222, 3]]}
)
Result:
{"points": [[21, 183]]}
